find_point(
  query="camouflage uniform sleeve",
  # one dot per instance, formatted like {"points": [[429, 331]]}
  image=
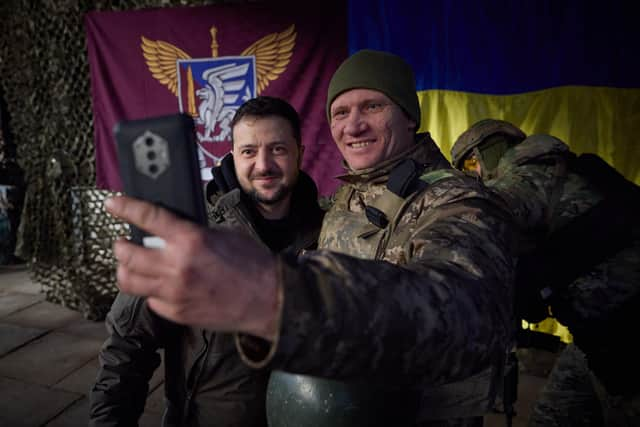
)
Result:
{"points": [[528, 191], [440, 316], [530, 177]]}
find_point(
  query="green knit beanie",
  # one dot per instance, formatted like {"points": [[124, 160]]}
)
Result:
{"points": [[381, 71]]}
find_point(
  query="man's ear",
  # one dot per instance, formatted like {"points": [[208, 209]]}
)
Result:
{"points": [[412, 126]]}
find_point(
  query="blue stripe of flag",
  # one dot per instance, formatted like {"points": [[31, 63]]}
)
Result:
{"points": [[503, 46]]}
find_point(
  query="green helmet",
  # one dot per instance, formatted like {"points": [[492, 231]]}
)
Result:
{"points": [[500, 133], [300, 400]]}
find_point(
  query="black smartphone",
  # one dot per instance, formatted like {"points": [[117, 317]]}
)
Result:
{"points": [[158, 159]]}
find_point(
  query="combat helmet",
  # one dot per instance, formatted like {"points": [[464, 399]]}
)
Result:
{"points": [[472, 141], [300, 400]]}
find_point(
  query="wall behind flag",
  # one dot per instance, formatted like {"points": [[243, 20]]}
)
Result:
{"points": [[133, 54], [569, 68]]}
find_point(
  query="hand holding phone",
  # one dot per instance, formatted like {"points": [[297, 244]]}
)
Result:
{"points": [[158, 162]]}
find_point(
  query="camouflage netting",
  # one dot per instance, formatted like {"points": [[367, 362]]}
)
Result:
{"points": [[64, 234]]}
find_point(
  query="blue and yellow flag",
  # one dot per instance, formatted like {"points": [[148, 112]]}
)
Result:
{"points": [[567, 68]]}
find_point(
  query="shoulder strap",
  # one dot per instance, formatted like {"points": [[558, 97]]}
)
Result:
{"points": [[340, 198], [403, 181]]}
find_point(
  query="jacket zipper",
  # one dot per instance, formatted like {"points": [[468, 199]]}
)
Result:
{"points": [[198, 364]]}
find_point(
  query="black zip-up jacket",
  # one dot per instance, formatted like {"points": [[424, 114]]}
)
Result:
{"points": [[206, 383]]}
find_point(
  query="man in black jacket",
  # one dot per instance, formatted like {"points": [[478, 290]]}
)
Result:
{"points": [[260, 190]]}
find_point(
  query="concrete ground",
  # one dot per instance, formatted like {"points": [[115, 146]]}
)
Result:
{"points": [[48, 362]]}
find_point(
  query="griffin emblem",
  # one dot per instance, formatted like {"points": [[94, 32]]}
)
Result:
{"points": [[212, 89], [272, 55]]}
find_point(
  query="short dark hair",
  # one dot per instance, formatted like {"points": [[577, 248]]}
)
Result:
{"points": [[264, 106]]}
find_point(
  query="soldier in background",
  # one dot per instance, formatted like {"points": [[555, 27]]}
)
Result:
{"points": [[580, 257], [409, 303]]}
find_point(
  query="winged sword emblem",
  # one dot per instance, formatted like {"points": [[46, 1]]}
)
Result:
{"points": [[212, 90], [272, 52]]}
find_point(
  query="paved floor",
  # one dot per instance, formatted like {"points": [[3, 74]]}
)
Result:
{"points": [[48, 361]]}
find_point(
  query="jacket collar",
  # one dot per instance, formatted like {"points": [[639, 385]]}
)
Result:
{"points": [[305, 212], [425, 152], [304, 196]]}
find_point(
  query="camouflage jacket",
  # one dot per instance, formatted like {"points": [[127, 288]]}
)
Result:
{"points": [[205, 381], [534, 179], [421, 305], [593, 268]]}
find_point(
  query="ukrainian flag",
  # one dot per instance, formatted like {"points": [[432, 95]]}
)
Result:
{"points": [[568, 68]]}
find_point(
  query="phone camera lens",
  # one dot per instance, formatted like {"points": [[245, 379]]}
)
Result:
{"points": [[149, 141], [153, 169], [151, 155]]}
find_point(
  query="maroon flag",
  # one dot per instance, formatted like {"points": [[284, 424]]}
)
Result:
{"points": [[206, 61]]}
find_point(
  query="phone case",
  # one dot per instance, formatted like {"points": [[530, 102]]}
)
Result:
{"points": [[158, 162]]}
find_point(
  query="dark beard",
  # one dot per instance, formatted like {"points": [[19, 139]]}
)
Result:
{"points": [[279, 196]]}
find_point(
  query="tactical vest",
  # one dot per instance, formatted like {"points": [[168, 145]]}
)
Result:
{"points": [[322, 402]]}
